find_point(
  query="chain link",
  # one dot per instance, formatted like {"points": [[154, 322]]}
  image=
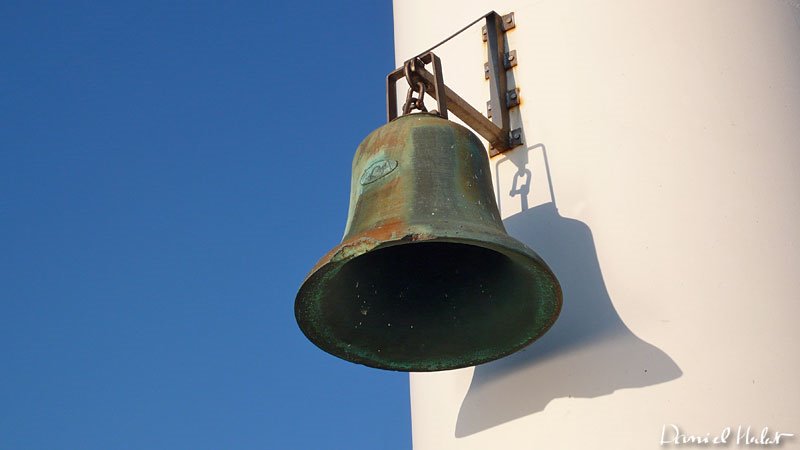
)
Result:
{"points": [[415, 103], [415, 82]]}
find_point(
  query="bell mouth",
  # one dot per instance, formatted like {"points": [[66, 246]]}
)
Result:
{"points": [[428, 305]]}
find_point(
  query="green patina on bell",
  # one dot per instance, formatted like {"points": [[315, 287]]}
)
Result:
{"points": [[426, 277]]}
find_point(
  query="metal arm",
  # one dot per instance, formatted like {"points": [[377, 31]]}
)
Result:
{"points": [[497, 130]]}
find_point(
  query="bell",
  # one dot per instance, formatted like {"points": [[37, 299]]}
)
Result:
{"points": [[426, 277]]}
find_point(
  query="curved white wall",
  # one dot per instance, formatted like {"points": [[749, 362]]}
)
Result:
{"points": [[672, 133]]}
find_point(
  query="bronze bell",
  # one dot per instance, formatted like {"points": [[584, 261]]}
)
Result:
{"points": [[426, 277]]}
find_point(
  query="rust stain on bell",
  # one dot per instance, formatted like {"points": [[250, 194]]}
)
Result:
{"points": [[426, 277]]}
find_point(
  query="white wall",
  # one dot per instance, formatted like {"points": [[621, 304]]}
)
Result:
{"points": [[672, 133]]}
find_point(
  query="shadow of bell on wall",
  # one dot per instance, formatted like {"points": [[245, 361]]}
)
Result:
{"points": [[588, 353]]}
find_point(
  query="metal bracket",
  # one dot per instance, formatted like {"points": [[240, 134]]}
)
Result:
{"points": [[509, 61], [434, 84], [512, 100], [497, 130], [515, 138], [496, 27], [508, 23]]}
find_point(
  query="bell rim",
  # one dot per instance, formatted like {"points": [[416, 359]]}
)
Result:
{"points": [[501, 243]]}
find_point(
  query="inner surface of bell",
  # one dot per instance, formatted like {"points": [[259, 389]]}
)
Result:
{"points": [[431, 303]]}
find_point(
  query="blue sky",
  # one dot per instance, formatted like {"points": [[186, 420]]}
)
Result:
{"points": [[169, 172]]}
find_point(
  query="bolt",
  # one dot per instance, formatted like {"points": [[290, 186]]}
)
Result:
{"points": [[508, 19], [513, 95], [511, 56], [515, 135]]}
